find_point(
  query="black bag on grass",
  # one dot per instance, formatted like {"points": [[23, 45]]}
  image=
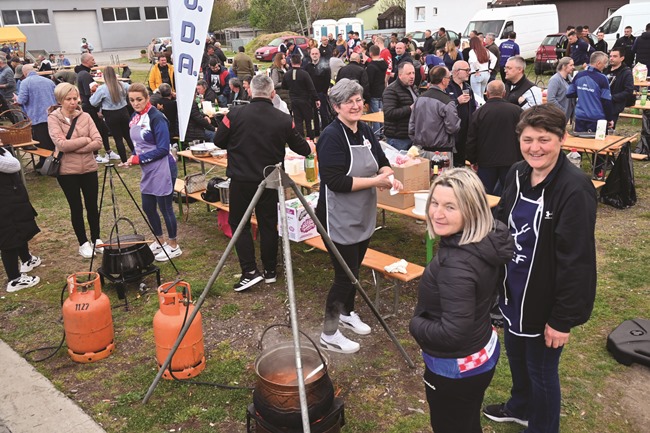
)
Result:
{"points": [[211, 192], [619, 190]]}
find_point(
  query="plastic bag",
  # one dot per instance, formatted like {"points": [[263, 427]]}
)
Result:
{"points": [[619, 190], [643, 145]]}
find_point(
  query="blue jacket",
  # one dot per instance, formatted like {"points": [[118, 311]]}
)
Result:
{"points": [[580, 52], [36, 95], [594, 97], [508, 49]]}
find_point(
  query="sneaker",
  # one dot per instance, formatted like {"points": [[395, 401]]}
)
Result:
{"points": [[270, 277], [498, 413], [101, 159], [354, 323], [30, 264], [171, 253], [23, 282], [113, 155], [86, 250], [248, 279], [338, 343], [99, 250], [156, 248]]}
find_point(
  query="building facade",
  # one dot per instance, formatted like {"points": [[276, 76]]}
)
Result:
{"points": [[58, 26]]}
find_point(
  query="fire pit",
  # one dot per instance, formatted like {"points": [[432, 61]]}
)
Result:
{"points": [[330, 423]]}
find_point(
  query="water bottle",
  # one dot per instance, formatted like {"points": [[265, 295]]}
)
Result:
{"points": [[436, 160], [310, 170], [574, 157]]}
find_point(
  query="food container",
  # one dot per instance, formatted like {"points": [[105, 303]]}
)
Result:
{"points": [[219, 153], [224, 191]]}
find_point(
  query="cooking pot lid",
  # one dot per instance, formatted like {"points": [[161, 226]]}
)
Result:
{"points": [[124, 239]]}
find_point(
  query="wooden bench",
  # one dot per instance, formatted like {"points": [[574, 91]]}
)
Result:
{"points": [[631, 116], [36, 152], [376, 261], [639, 157], [597, 184]]}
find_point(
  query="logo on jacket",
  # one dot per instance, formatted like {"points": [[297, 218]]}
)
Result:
{"points": [[548, 215]]}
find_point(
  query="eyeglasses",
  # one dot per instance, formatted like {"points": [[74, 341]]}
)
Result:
{"points": [[466, 70], [350, 102], [448, 77]]}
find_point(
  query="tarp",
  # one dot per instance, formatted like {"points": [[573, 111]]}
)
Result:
{"points": [[11, 34]]}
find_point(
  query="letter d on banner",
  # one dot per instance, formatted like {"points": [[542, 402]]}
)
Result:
{"points": [[188, 21]]}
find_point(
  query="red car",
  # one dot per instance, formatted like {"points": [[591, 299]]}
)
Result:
{"points": [[268, 52], [546, 56]]}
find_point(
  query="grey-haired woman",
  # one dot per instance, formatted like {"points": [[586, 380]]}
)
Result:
{"points": [[557, 87]]}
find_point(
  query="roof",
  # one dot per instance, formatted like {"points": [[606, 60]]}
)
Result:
{"points": [[390, 12], [11, 34]]}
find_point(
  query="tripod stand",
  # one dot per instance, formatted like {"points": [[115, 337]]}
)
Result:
{"points": [[279, 180], [109, 169]]}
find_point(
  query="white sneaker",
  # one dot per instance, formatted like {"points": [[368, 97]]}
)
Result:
{"points": [[99, 250], [113, 155], [353, 322], [338, 343], [23, 282], [30, 264], [171, 253], [86, 250], [156, 248], [101, 159]]}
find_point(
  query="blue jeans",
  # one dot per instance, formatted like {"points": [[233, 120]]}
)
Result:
{"points": [[535, 393], [376, 105], [399, 143], [490, 176], [165, 204]]}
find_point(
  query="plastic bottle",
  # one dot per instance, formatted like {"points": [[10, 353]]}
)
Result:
{"points": [[574, 157], [644, 95], [310, 170], [435, 172], [444, 160], [316, 167], [436, 160]]}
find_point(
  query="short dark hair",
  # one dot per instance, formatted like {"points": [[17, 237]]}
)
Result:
{"points": [[240, 49], [202, 83], [295, 59], [619, 50], [545, 116], [437, 74], [351, 32], [512, 35], [570, 28], [214, 62], [442, 29], [647, 27], [356, 33], [579, 29], [235, 82], [374, 50], [585, 27], [571, 33]]}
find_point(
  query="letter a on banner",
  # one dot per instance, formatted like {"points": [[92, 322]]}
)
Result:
{"points": [[188, 21]]}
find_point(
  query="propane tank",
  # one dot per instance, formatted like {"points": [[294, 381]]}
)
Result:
{"points": [[175, 307], [87, 319]]}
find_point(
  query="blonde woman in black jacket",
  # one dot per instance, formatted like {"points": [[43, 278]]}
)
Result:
{"points": [[451, 322]]}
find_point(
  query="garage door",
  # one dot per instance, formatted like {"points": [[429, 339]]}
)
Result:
{"points": [[74, 25]]}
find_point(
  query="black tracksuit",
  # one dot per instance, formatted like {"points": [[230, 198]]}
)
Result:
{"points": [[621, 86], [303, 95]]}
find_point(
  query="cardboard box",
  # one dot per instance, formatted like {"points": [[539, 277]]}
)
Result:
{"points": [[414, 177], [299, 223]]}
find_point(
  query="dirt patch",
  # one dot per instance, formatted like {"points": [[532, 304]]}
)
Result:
{"points": [[632, 390]]}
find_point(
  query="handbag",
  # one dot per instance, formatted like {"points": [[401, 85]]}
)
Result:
{"points": [[211, 192], [52, 163], [196, 182]]}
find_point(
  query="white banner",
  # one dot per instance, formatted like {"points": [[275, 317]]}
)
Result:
{"points": [[188, 21]]}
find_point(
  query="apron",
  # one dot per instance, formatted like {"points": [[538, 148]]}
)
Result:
{"points": [[156, 175], [351, 216]]}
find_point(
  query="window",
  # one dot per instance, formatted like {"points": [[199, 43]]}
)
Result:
{"points": [[120, 14], [23, 17], [155, 13], [612, 25], [419, 13], [435, 12]]}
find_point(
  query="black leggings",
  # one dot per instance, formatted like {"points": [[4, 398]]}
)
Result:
{"points": [[340, 299], [118, 123], [73, 186], [10, 260], [99, 123]]}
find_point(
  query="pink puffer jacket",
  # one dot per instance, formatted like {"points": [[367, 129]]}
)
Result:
{"points": [[78, 155]]}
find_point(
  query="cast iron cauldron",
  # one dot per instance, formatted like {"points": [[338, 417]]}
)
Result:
{"points": [[276, 396], [126, 253]]}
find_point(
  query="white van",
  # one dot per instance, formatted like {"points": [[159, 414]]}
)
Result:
{"points": [[635, 15], [531, 23]]}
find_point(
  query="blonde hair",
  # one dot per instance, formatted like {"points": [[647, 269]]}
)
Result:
{"points": [[472, 203], [62, 90]]}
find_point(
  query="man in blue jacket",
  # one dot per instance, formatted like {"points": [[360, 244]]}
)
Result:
{"points": [[507, 49], [594, 97], [579, 50]]}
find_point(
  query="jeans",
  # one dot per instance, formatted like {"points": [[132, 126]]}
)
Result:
{"points": [[222, 100], [399, 143], [209, 135], [478, 81], [73, 186], [165, 204], [535, 393], [118, 123], [490, 176], [340, 299], [376, 105], [266, 211], [455, 404], [10, 260]]}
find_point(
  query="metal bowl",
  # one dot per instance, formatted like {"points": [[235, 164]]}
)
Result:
{"points": [[200, 151]]}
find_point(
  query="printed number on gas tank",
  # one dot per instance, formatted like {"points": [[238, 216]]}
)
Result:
{"points": [[81, 307]]}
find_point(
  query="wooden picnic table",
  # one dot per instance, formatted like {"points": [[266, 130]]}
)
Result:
{"points": [[609, 147], [377, 117], [20, 150]]}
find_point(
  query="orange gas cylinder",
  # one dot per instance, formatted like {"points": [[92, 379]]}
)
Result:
{"points": [[175, 307], [87, 319]]}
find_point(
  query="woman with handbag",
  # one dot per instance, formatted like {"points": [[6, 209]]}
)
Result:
{"points": [[150, 135], [111, 98], [18, 225], [76, 138]]}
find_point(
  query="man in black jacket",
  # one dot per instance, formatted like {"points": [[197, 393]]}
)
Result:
{"points": [[376, 70], [621, 82], [429, 43], [461, 91], [303, 96], [398, 100], [492, 142], [321, 75], [641, 47], [260, 130], [627, 42], [401, 56], [355, 71]]}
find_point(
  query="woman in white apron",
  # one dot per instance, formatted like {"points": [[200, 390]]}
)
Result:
{"points": [[352, 164]]}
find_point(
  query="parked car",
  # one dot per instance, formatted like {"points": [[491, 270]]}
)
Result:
{"points": [[268, 52], [547, 53], [418, 37], [159, 42]]}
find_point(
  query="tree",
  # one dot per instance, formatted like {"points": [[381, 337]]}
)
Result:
{"points": [[385, 4], [223, 15], [271, 15], [331, 9]]}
